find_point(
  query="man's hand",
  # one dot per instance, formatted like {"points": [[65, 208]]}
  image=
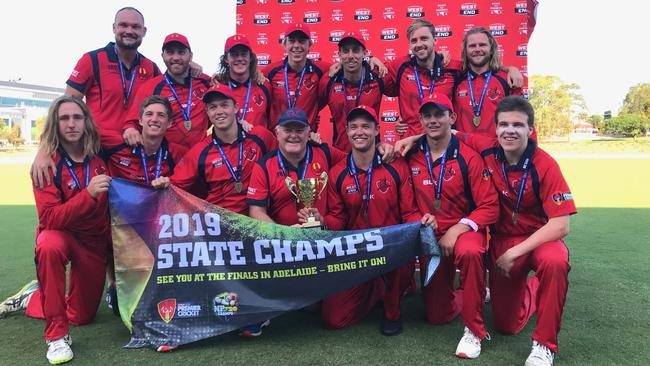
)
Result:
{"points": [[160, 182], [387, 152], [429, 220], [404, 145], [315, 138], [515, 78], [446, 57], [506, 261], [247, 127], [195, 69], [334, 69], [401, 127], [382, 70], [305, 213], [98, 184], [39, 170], [448, 241], [132, 137]]}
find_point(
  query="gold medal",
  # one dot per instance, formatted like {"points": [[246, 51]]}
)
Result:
{"points": [[477, 120], [188, 124], [437, 204], [515, 216], [238, 187]]}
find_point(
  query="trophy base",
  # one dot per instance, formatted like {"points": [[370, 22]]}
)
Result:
{"points": [[313, 225]]}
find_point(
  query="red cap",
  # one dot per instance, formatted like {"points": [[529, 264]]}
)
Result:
{"points": [[221, 89], [178, 38], [298, 27], [354, 35], [440, 100], [362, 110], [237, 40]]}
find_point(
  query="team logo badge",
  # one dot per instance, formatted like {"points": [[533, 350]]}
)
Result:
{"points": [[309, 82], [142, 72], [494, 94], [561, 197], [389, 13], [337, 15], [442, 10], [100, 170], [167, 309], [225, 304], [383, 185], [450, 172], [317, 168], [486, 174], [258, 99], [250, 153]]}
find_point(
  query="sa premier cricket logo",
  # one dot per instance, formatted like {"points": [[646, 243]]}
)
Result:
{"points": [[226, 304], [167, 309]]}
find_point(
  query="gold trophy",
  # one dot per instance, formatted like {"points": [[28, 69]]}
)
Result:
{"points": [[307, 191]]}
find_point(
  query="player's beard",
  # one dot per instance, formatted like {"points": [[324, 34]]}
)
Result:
{"points": [[131, 46]]}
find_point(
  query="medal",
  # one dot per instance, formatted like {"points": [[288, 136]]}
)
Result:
{"points": [[236, 175], [515, 216], [365, 201], [476, 107], [477, 120], [522, 186], [188, 124], [126, 91], [437, 203], [292, 103], [187, 111], [238, 187]]}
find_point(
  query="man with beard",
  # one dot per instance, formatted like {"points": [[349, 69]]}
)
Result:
{"points": [[189, 123], [482, 84], [416, 77]]}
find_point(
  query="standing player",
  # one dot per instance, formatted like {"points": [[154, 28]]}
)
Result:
{"points": [[73, 228], [189, 123], [238, 70], [449, 181], [355, 84], [482, 84], [535, 205], [365, 192]]}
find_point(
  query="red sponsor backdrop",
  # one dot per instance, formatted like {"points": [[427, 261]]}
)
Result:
{"points": [[383, 24]]}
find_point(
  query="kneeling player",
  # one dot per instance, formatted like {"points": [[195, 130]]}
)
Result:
{"points": [[535, 205], [73, 228]]}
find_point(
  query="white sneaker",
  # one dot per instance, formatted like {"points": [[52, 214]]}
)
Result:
{"points": [[469, 346], [19, 300], [540, 355], [59, 351]]}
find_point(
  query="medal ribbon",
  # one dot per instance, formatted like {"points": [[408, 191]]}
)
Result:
{"points": [[304, 168], [143, 158], [236, 176], [242, 115], [443, 163], [522, 184], [69, 164], [419, 84], [477, 107], [291, 103], [345, 91], [186, 111], [365, 203], [126, 91]]}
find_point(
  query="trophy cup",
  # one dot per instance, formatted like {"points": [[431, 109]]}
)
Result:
{"points": [[307, 191]]}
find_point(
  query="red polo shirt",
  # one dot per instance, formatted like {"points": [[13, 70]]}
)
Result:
{"points": [[63, 206], [391, 196], [341, 97], [546, 193], [97, 76], [308, 93], [205, 163], [401, 75], [466, 191], [177, 133], [268, 188], [496, 90], [259, 102]]}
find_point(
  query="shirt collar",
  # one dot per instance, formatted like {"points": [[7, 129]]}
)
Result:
{"points": [[112, 56], [241, 135], [528, 153]]}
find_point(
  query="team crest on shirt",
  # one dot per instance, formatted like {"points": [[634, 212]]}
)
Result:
{"points": [[450, 172], [487, 173], [198, 93], [494, 94], [367, 88], [258, 99], [415, 171], [100, 170], [217, 162], [124, 162], [351, 189], [561, 197], [317, 168], [250, 153], [309, 82], [142, 72], [383, 185]]}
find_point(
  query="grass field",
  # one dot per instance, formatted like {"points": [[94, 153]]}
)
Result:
{"points": [[606, 319]]}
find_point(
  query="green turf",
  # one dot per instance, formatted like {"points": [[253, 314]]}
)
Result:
{"points": [[606, 317]]}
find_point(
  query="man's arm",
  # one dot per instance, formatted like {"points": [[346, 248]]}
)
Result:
{"points": [[259, 213]]}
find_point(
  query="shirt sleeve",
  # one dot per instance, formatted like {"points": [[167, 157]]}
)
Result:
{"points": [[187, 171], [54, 214], [483, 192], [337, 155], [322, 92], [407, 205], [475, 141], [336, 217], [555, 194], [390, 80], [81, 77], [258, 188]]}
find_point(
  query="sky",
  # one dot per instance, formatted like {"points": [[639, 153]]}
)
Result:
{"points": [[591, 43]]}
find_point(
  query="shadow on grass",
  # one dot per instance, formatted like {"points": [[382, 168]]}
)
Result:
{"points": [[605, 319]]}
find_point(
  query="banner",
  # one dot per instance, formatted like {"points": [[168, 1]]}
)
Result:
{"points": [[188, 270], [383, 25]]}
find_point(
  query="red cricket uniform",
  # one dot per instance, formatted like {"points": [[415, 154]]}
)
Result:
{"points": [[497, 89], [341, 96], [97, 76], [73, 227], [391, 202], [258, 108], [546, 195], [126, 162], [177, 132], [205, 163], [401, 75], [307, 93], [268, 188], [466, 193]]}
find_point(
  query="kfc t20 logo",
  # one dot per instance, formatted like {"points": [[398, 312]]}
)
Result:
{"points": [[337, 15], [498, 30], [443, 31], [389, 34], [312, 17], [442, 10], [496, 8], [469, 9], [262, 38], [389, 14], [262, 19], [239, 19], [415, 11], [286, 18], [389, 54], [362, 15]]}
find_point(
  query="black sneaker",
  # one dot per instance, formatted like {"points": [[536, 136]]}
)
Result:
{"points": [[111, 299], [391, 327]]}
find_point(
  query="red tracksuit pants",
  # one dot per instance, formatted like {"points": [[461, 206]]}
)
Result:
{"points": [[350, 306], [442, 302], [516, 298], [87, 259]]}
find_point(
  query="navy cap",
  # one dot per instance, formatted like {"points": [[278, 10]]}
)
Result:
{"points": [[293, 115]]}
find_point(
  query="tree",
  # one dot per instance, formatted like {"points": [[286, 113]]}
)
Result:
{"points": [[629, 125], [637, 100], [14, 137], [40, 123], [557, 104], [596, 120]]}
